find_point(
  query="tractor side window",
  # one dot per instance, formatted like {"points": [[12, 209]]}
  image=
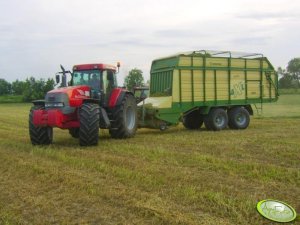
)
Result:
{"points": [[108, 81], [105, 81]]}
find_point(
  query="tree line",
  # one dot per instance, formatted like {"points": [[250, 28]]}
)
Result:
{"points": [[290, 77], [30, 89]]}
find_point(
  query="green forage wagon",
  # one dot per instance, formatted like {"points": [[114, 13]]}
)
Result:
{"points": [[214, 88]]}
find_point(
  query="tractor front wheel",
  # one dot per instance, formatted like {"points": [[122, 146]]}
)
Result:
{"points": [[39, 135], [124, 118], [89, 124]]}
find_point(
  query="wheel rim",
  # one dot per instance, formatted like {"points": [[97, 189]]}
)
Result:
{"points": [[219, 120], [240, 119], [130, 118]]}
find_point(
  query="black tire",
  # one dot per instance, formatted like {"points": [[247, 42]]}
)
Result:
{"points": [[216, 120], [39, 135], [193, 120], [206, 122], [74, 132], [124, 118], [89, 124], [239, 118]]}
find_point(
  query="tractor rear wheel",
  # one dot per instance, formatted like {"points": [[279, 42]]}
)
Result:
{"points": [[74, 132], [39, 135], [239, 118], [193, 120], [89, 124], [216, 120], [124, 118]]}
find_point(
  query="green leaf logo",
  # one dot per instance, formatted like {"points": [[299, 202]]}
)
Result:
{"points": [[276, 210]]}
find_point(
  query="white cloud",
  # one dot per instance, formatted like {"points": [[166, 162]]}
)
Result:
{"points": [[38, 35]]}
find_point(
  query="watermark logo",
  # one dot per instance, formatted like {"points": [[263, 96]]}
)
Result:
{"points": [[276, 210]]}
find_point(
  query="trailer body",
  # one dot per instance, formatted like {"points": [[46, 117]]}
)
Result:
{"points": [[203, 80]]}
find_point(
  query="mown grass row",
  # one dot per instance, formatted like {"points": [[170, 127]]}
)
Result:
{"points": [[175, 177]]}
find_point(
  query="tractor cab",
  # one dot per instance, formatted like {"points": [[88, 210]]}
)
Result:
{"points": [[100, 77]]}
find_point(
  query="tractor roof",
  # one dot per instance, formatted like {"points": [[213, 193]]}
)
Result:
{"points": [[95, 66]]}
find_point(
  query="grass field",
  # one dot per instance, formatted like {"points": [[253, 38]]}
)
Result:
{"points": [[11, 99], [172, 177], [289, 91]]}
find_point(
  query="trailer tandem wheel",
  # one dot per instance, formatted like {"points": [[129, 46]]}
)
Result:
{"points": [[216, 119], [239, 118], [193, 120]]}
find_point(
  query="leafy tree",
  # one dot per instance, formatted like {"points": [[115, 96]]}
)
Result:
{"points": [[294, 69], [49, 85], [134, 78], [36, 89], [18, 87], [5, 87], [285, 80], [290, 77]]}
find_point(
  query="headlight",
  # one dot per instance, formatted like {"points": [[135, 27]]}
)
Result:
{"points": [[54, 104]]}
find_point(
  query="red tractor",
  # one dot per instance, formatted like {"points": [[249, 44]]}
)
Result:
{"points": [[92, 101]]}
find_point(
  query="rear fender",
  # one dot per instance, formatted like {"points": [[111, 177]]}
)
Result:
{"points": [[116, 97], [204, 110]]}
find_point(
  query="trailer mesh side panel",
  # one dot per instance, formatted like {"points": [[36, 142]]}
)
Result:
{"points": [[162, 83]]}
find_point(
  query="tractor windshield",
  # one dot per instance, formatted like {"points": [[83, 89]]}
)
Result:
{"points": [[87, 77]]}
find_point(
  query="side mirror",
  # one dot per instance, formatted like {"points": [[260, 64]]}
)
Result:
{"points": [[57, 78], [118, 65]]}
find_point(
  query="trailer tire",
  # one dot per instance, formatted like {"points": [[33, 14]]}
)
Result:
{"points": [[124, 118], [239, 118], [193, 120], [74, 132], [206, 122], [89, 124], [216, 120], [39, 135]]}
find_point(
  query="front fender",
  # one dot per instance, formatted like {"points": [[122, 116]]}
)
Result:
{"points": [[39, 102]]}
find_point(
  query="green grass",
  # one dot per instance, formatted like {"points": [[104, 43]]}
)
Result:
{"points": [[11, 98], [172, 177], [287, 106], [289, 91]]}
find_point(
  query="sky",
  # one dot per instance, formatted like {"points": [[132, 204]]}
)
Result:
{"points": [[36, 36]]}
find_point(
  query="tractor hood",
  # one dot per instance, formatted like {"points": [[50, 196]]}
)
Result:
{"points": [[69, 96], [82, 91]]}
